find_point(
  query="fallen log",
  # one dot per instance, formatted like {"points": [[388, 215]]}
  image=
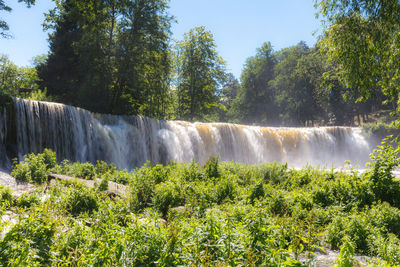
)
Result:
{"points": [[114, 189]]}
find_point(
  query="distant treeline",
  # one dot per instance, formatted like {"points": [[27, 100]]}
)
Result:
{"points": [[118, 57]]}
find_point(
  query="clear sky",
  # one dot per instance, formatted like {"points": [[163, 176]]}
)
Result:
{"points": [[239, 26]]}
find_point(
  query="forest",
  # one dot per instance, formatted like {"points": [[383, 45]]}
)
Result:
{"points": [[117, 57]]}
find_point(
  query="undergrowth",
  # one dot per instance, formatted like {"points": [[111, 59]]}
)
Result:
{"points": [[217, 213]]}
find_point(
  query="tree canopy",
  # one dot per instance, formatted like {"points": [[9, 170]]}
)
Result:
{"points": [[200, 74], [362, 38]]}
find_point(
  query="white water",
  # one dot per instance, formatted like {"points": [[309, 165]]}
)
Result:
{"points": [[130, 141]]}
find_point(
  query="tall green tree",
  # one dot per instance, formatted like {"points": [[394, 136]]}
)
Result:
{"points": [[255, 100], [363, 38], [4, 28], [143, 59], [296, 85], [109, 56], [200, 75], [227, 95]]}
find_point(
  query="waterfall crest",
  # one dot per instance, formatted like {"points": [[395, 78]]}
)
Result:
{"points": [[129, 141]]}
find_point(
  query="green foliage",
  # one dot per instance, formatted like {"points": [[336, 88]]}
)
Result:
{"points": [[34, 168], [225, 189], [102, 168], [378, 129], [274, 172], [255, 102], [13, 78], [109, 56], [6, 198], [28, 242], [3, 24], [346, 255], [257, 192], [200, 73], [168, 195], [27, 200], [232, 214], [80, 170], [361, 37], [193, 172], [384, 160], [211, 168], [79, 200], [103, 185]]}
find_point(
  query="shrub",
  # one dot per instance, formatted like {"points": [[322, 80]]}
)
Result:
{"points": [[103, 185], [6, 198], [102, 167], [35, 168], [384, 160], [225, 188], [257, 192], [275, 172], [346, 255], [27, 200], [80, 199], [192, 172], [277, 204], [211, 168], [356, 227], [168, 195], [387, 248], [80, 170], [28, 243]]}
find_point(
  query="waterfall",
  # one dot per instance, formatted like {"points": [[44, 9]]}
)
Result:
{"points": [[129, 141]]}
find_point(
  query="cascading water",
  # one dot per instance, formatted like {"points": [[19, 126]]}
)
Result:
{"points": [[130, 141], [4, 161]]}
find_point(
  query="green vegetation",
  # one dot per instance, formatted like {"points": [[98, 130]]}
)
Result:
{"points": [[219, 213], [118, 57], [200, 72]]}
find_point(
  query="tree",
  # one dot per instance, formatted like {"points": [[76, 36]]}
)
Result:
{"points": [[362, 38], [13, 78], [143, 59], [255, 100], [227, 95], [294, 91], [60, 73], [3, 25], [109, 56], [200, 74]]}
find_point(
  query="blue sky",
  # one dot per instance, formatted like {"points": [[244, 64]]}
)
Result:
{"points": [[239, 26]]}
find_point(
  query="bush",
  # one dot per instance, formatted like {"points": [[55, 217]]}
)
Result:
{"points": [[168, 195], [34, 168], [274, 172], [384, 160], [211, 168], [102, 168], [387, 248], [356, 227], [27, 200], [80, 170], [6, 198], [103, 185], [193, 172], [80, 199], [225, 188], [257, 192], [28, 243]]}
